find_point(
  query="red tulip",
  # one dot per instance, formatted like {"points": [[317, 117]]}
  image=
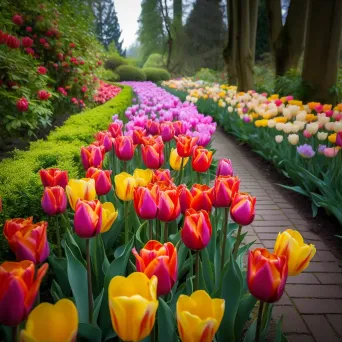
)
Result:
{"points": [[138, 134], [168, 204], [115, 129], [180, 127], [224, 189], [158, 260], [53, 177], [88, 218], [103, 182], [153, 153], [167, 131], [201, 159], [266, 275], [202, 197], [185, 197], [242, 209], [124, 148], [196, 232], [22, 105], [339, 139], [153, 127], [161, 175], [92, 156], [13, 225], [54, 200], [146, 202], [19, 289], [185, 145]]}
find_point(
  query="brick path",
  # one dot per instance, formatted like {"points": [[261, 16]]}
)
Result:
{"points": [[312, 302]]}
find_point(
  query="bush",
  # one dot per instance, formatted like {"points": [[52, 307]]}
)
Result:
{"points": [[156, 74], [155, 60], [130, 73], [20, 186], [113, 62], [206, 75], [108, 75]]}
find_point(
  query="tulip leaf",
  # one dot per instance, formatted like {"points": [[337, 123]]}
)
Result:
{"points": [[77, 275], [59, 266], [166, 323], [231, 293], [208, 270], [56, 291], [182, 252], [180, 290], [97, 306], [138, 235], [89, 332], [280, 337], [296, 188], [75, 249]]}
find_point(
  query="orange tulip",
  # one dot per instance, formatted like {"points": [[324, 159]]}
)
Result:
{"points": [[138, 134], [161, 175], [14, 225], [202, 197], [242, 210], [19, 289], [185, 197], [185, 145], [201, 159], [224, 190], [168, 204]]}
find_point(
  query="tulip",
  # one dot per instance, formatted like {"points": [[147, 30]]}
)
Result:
{"points": [[266, 275], [225, 187], [199, 316], [185, 198], [28, 242], [160, 260], [124, 186], [19, 289], [92, 156], [185, 145], [293, 139], [103, 183], [331, 152], [88, 218], [176, 160], [133, 299], [291, 244], [145, 202], [153, 127], [109, 215], [124, 148], [115, 129], [54, 200], [201, 159], [167, 131], [142, 177], [202, 197], [339, 139], [180, 127], [224, 168], [14, 225], [52, 323], [242, 209], [161, 175], [138, 134], [53, 177], [196, 232], [168, 205], [153, 154], [80, 189]]}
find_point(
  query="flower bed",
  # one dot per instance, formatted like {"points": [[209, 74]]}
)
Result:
{"points": [[145, 239], [302, 140]]}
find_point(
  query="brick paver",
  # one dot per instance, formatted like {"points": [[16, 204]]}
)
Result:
{"points": [[312, 302]]}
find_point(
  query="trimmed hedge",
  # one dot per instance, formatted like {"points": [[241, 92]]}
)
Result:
{"points": [[20, 186], [156, 74], [114, 62], [130, 73]]}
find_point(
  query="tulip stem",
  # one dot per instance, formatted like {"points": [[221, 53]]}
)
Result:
{"points": [[126, 212], [224, 239], [150, 225], [258, 328], [125, 166], [15, 333], [166, 232], [59, 249], [181, 171], [198, 178], [197, 271], [90, 287], [237, 243]]}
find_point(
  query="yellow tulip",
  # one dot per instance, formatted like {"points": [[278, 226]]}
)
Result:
{"points": [[133, 305], [291, 244], [142, 177], [124, 186], [280, 119], [332, 138], [198, 317], [52, 323], [176, 160], [261, 123], [80, 189], [109, 215]]}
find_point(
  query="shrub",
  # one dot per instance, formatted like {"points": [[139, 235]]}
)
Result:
{"points": [[114, 61], [130, 73], [108, 75], [206, 75], [155, 60], [156, 74], [20, 187]]}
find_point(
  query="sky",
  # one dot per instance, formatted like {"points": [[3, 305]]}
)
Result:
{"points": [[128, 12]]}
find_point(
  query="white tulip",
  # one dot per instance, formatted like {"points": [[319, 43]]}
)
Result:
{"points": [[322, 135], [293, 139], [279, 138]]}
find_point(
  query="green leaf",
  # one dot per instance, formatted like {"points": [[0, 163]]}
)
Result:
{"points": [[280, 337], [97, 306], [166, 323], [73, 246], [208, 270], [296, 188], [77, 275], [138, 235], [89, 332], [59, 266], [56, 291]]}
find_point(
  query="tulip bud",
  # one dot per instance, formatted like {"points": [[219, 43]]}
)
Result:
{"points": [[153, 154], [224, 168], [88, 218], [19, 289], [138, 134], [202, 197], [266, 275], [176, 160], [242, 209], [196, 232], [124, 148], [145, 202], [103, 183], [53, 177], [153, 127], [167, 131], [298, 254], [115, 129], [54, 200], [168, 205], [160, 260], [185, 145], [201, 159], [92, 156], [224, 189], [185, 198]]}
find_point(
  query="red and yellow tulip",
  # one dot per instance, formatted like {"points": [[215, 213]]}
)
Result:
{"points": [[161, 175], [103, 182], [153, 153], [185, 198], [80, 189], [202, 197], [168, 204], [224, 190], [185, 145], [109, 215], [54, 177], [201, 159]]}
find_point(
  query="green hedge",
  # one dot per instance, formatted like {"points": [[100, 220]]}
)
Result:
{"points": [[130, 73], [114, 62], [156, 74], [20, 186]]}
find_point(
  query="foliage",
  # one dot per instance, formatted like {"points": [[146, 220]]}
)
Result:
{"points": [[130, 73], [155, 60], [114, 61], [20, 186], [156, 74], [206, 74], [108, 75]]}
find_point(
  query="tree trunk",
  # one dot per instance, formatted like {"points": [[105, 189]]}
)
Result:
{"points": [[253, 17], [321, 56], [287, 41]]}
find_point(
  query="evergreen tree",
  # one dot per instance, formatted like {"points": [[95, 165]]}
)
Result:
{"points": [[107, 24]]}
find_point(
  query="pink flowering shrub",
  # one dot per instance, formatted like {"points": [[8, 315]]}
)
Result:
{"points": [[106, 92]]}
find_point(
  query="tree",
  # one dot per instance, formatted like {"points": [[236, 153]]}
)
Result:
{"points": [[262, 37], [287, 40], [107, 24], [322, 49]]}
